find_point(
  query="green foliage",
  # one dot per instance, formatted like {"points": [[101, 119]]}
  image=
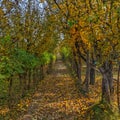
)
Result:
{"points": [[46, 58], [118, 11], [9, 67], [5, 40], [65, 52], [53, 57], [27, 60], [17, 61], [3, 90], [71, 22]]}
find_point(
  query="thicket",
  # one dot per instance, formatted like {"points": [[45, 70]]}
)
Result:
{"points": [[26, 50], [19, 66]]}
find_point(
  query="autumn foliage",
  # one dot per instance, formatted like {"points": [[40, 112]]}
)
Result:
{"points": [[85, 32]]}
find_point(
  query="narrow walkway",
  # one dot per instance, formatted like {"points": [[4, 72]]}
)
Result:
{"points": [[57, 97]]}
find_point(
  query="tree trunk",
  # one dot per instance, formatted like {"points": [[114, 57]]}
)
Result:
{"points": [[10, 92], [92, 73], [24, 83], [87, 78], [77, 45], [72, 62], [42, 72], [36, 77], [78, 68], [92, 76], [107, 81], [29, 79], [105, 89], [110, 78], [75, 64], [118, 88], [20, 81]]}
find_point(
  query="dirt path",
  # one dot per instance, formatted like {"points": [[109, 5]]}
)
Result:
{"points": [[57, 98]]}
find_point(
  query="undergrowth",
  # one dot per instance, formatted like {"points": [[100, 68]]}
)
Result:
{"points": [[102, 111]]}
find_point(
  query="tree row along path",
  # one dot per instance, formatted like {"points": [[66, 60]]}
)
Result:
{"points": [[57, 98]]}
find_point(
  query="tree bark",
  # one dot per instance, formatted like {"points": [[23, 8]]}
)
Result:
{"points": [[118, 88], [105, 89], [79, 61], [107, 81], [87, 77], [79, 70], [78, 67], [29, 79], [92, 76], [10, 92], [24, 83], [20, 81], [92, 73]]}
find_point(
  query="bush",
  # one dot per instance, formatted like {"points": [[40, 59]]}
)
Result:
{"points": [[47, 58], [65, 52], [101, 111]]}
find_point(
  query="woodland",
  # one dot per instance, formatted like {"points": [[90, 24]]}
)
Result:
{"points": [[59, 59]]}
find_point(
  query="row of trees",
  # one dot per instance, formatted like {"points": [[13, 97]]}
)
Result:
{"points": [[30, 30], [92, 34], [26, 46]]}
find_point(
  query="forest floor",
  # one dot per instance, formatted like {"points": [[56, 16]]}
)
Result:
{"points": [[58, 98]]}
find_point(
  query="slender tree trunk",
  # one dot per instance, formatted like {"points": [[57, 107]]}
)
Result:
{"points": [[72, 63], [37, 78], [79, 70], [29, 79], [118, 88], [92, 73], [24, 83], [87, 78], [75, 64], [78, 61], [20, 81], [92, 76], [10, 92], [110, 78], [41, 73], [34, 78], [49, 68], [10, 86]]}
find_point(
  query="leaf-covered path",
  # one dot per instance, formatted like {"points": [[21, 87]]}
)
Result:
{"points": [[57, 98]]}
